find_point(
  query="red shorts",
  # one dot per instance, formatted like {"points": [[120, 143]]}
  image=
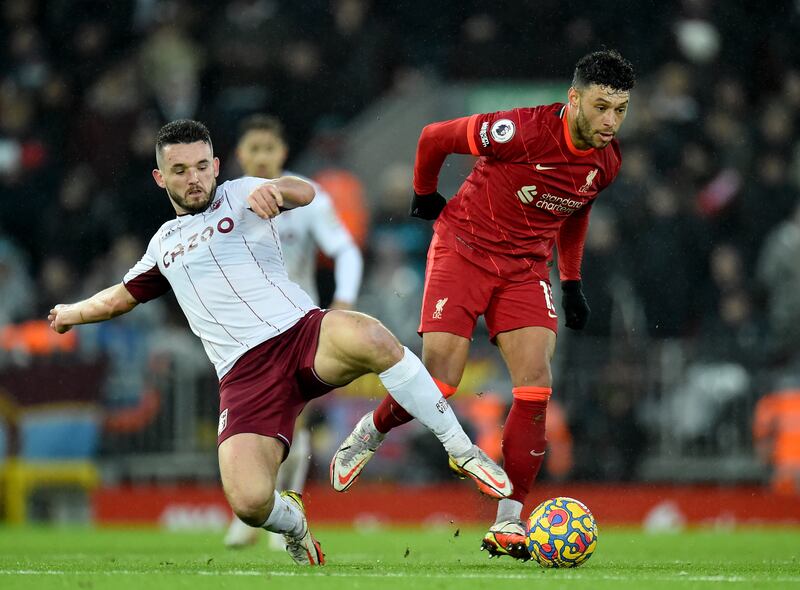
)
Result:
{"points": [[270, 385], [458, 291]]}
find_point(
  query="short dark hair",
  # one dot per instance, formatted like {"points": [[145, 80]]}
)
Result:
{"points": [[261, 122], [182, 131], [604, 68]]}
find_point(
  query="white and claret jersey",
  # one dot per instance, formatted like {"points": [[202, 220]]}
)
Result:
{"points": [[226, 268], [305, 229]]}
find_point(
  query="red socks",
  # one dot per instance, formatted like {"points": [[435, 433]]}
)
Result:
{"points": [[390, 414], [524, 440]]}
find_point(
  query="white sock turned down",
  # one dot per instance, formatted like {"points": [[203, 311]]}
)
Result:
{"points": [[284, 518], [413, 388]]}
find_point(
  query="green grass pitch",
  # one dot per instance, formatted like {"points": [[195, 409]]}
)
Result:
{"points": [[396, 558]]}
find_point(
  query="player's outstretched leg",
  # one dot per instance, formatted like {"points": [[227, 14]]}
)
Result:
{"points": [[353, 454], [361, 444], [352, 344]]}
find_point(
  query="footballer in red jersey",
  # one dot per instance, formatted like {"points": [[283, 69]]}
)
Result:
{"points": [[538, 172]]}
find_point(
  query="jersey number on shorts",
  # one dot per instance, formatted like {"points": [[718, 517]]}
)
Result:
{"points": [[548, 299]]}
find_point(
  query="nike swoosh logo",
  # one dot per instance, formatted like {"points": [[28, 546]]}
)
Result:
{"points": [[496, 483], [535, 454], [540, 167], [343, 479]]}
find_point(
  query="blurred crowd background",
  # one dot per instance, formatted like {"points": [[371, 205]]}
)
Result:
{"points": [[691, 361]]}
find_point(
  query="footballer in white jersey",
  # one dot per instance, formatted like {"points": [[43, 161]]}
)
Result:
{"points": [[272, 347], [317, 225], [226, 268], [262, 151]]}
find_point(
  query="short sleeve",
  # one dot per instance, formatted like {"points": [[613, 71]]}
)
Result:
{"points": [[237, 191], [497, 135], [145, 281]]}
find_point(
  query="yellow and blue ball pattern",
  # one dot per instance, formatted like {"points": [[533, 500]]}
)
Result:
{"points": [[561, 533]]}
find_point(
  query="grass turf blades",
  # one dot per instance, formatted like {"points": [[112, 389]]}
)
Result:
{"points": [[396, 558]]}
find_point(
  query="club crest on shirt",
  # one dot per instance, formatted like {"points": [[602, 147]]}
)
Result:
{"points": [[215, 205], [589, 181], [503, 130]]}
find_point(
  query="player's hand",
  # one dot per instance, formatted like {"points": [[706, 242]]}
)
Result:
{"points": [[576, 310], [56, 319], [265, 201], [427, 206]]}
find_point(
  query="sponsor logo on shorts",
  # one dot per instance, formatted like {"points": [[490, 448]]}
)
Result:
{"points": [[223, 421], [442, 405], [484, 133], [437, 313], [503, 130], [589, 181]]}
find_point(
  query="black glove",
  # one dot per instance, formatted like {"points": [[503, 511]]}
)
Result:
{"points": [[427, 206], [576, 310]]}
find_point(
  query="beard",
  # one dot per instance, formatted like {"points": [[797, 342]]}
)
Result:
{"points": [[586, 132], [199, 206]]}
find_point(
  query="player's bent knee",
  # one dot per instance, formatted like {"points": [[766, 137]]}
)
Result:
{"points": [[384, 350], [536, 376], [251, 506]]}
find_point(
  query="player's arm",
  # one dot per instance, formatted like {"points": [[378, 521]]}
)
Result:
{"points": [[271, 197], [337, 243], [348, 268], [102, 306], [570, 241], [436, 142]]}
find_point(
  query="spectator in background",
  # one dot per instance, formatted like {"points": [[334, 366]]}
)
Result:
{"points": [[668, 258], [80, 219], [759, 215], [776, 433], [171, 64], [778, 273], [15, 284], [730, 328]]}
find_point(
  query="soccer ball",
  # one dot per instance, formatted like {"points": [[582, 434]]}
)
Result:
{"points": [[561, 533]]}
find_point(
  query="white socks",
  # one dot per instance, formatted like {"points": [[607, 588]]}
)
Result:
{"points": [[285, 518], [412, 386], [508, 510]]}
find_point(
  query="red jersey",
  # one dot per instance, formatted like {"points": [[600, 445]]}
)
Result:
{"points": [[529, 188]]}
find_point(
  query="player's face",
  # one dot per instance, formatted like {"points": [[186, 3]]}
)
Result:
{"points": [[261, 153], [599, 113], [188, 172]]}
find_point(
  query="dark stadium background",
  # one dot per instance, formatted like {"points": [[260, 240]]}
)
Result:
{"points": [[686, 375]]}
